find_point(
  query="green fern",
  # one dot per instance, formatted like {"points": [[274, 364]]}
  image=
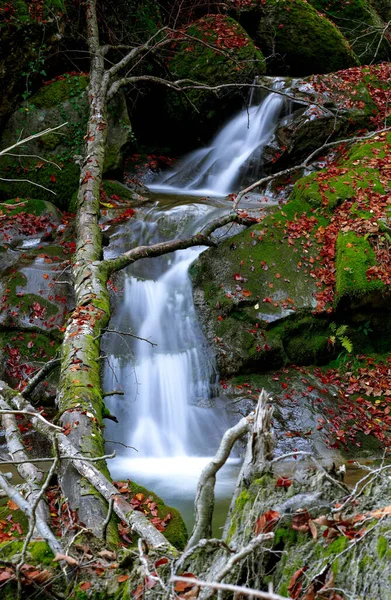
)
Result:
{"points": [[338, 334], [347, 344]]}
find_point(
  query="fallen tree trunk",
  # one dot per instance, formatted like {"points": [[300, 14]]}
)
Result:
{"points": [[90, 473]]}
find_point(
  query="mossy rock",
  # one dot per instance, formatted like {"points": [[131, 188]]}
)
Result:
{"points": [[63, 100], [31, 206], [354, 256], [355, 170], [175, 531], [254, 281], [38, 552], [239, 61], [299, 40], [361, 25]]}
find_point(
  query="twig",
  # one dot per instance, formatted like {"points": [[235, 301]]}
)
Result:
{"points": [[30, 182], [38, 377], [31, 137], [121, 444], [50, 459], [239, 556], [107, 519], [31, 414], [231, 588], [130, 334], [113, 393], [337, 483]]}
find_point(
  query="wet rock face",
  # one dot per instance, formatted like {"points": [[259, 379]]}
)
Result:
{"points": [[35, 294]]}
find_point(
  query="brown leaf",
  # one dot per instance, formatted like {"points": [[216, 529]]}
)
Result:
{"points": [[85, 585], [68, 559], [300, 520], [182, 586], [122, 578], [12, 505], [107, 554], [310, 593], [381, 512], [266, 522], [5, 575], [295, 586], [313, 529]]}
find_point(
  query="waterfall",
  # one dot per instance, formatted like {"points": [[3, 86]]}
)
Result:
{"points": [[163, 383], [167, 385], [217, 169]]}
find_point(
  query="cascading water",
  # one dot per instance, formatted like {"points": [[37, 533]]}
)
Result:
{"points": [[217, 169], [167, 386]]}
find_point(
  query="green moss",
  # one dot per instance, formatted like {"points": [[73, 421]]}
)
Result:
{"points": [[354, 256], [13, 516], [111, 187], [308, 41], [337, 546], [30, 206], [284, 536], [360, 24], [59, 91], [382, 546], [65, 183], [38, 552], [328, 194], [175, 531]]}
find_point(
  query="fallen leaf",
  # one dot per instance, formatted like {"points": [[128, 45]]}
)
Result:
{"points": [[68, 559], [266, 522]]}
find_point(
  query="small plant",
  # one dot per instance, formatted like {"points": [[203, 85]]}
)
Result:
{"points": [[365, 328], [338, 334]]}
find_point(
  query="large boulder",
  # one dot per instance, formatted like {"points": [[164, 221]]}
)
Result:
{"points": [[297, 39], [354, 99], [225, 54], [268, 296], [54, 160], [361, 25]]}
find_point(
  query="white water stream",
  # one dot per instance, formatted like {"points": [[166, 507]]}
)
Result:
{"points": [[167, 412], [217, 169]]}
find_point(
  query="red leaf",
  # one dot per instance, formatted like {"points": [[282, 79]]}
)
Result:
{"points": [[266, 522], [85, 585], [295, 586], [283, 482], [53, 178]]}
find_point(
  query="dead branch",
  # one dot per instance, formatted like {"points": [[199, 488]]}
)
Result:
{"points": [[43, 528], [199, 239], [204, 501], [135, 519], [237, 589], [40, 376], [26, 469], [31, 137]]}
